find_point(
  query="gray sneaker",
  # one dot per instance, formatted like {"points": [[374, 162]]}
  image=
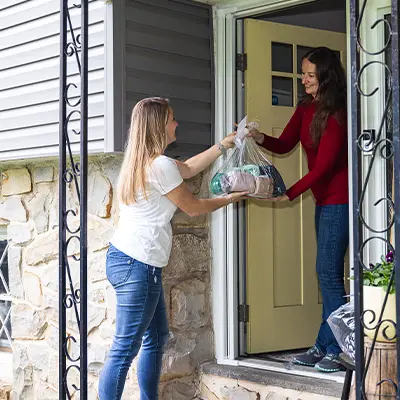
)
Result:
{"points": [[330, 363], [310, 358]]}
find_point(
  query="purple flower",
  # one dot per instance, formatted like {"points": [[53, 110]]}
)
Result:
{"points": [[389, 257]]}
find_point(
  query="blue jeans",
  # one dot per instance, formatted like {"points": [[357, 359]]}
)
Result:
{"points": [[332, 226], [141, 323]]}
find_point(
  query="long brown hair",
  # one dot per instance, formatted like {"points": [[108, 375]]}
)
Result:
{"points": [[147, 140], [331, 97]]}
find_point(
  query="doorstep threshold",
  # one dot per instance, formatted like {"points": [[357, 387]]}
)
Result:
{"points": [[270, 373], [290, 368]]}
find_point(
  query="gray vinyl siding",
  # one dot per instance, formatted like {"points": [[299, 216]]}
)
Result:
{"points": [[168, 53], [137, 48], [29, 77]]}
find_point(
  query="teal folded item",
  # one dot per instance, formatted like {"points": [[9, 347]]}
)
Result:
{"points": [[251, 169], [215, 184]]}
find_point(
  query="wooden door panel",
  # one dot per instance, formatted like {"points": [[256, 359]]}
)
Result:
{"points": [[282, 288]]}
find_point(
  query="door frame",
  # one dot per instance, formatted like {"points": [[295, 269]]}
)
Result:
{"points": [[225, 222], [371, 117]]}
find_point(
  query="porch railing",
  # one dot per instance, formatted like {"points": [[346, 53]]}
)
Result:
{"points": [[73, 175], [385, 147]]}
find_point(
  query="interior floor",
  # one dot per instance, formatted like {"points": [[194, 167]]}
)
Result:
{"points": [[280, 356]]}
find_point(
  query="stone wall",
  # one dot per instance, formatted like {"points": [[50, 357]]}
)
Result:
{"points": [[29, 206]]}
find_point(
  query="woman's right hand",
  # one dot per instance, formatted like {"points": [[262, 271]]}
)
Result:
{"points": [[235, 197], [257, 136]]}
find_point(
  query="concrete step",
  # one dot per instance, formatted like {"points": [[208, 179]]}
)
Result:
{"points": [[219, 382]]}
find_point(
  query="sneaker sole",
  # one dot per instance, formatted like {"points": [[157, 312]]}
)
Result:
{"points": [[303, 363], [320, 369]]}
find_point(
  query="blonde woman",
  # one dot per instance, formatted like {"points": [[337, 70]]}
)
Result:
{"points": [[150, 189]]}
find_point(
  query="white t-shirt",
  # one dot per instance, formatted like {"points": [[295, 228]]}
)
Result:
{"points": [[144, 230]]}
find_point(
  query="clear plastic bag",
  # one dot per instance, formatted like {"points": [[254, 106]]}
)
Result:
{"points": [[342, 324], [247, 169]]}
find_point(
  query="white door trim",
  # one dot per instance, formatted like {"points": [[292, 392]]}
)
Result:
{"points": [[223, 222]]}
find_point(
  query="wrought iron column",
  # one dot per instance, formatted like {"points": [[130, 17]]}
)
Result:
{"points": [[386, 147], [73, 167], [357, 232], [396, 166]]}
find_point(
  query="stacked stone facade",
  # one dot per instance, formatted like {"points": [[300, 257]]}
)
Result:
{"points": [[29, 208]]}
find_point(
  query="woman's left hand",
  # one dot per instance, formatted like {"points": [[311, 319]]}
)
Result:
{"points": [[229, 141]]}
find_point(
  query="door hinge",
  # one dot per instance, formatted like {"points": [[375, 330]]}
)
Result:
{"points": [[243, 313], [241, 62]]}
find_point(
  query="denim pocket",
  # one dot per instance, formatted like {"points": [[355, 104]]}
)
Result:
{"points": [[119, 266]]}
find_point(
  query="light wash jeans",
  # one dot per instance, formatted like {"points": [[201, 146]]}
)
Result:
{"points": [[141, 324], [332, 226]]}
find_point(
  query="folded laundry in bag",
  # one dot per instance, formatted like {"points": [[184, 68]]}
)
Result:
{"points": [[273, 173], [238, 181], [264, 186], [216, 184], [251, 169], [248, 169]]}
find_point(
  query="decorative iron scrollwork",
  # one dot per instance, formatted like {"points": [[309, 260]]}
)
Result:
{"points": [[383, 148], [73, 171]]}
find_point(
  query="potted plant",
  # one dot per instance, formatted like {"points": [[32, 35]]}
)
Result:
{"points": [[376, 287]]}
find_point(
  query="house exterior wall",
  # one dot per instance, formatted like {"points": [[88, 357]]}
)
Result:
{"points": [[30, 373], [167, 51], [29, 77], [137, 49], [29, 208]]}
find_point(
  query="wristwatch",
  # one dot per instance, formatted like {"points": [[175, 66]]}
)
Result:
{"points": [[222, 148]]}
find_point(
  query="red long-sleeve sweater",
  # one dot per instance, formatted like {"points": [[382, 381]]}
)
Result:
{"points": [[328, 163]]}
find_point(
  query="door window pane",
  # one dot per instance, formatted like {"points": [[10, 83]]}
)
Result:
{"points": [[301, 51], [282, 91], [282, 57]]}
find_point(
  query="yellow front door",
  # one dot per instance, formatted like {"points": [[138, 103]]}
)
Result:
{"points": [[281, 285]]}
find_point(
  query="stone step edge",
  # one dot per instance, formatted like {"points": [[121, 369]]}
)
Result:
{"points": [[270, 378]]}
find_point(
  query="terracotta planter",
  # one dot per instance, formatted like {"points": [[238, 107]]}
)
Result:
{"points": [[373, 300]]}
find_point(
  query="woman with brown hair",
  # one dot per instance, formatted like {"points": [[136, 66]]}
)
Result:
{"points": [[319, 123], [150, 189]]}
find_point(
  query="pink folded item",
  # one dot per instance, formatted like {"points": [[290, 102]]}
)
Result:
{"points": [[264, 186], [237, 181]]}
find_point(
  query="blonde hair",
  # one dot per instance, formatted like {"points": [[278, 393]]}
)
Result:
{"points": [[147, 140]]}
